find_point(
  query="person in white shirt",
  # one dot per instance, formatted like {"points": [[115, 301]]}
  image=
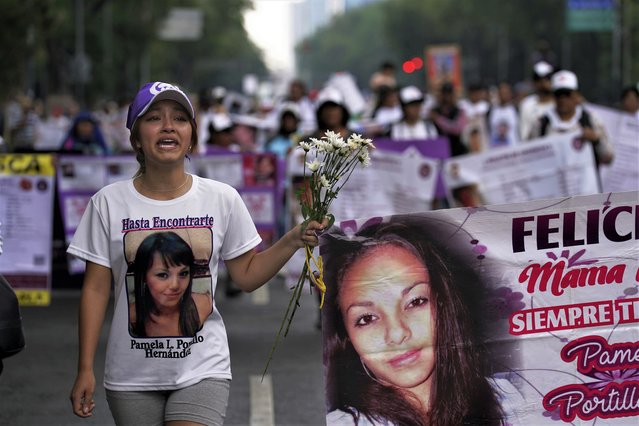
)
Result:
{"points": [[412, 126], [503, 119], [388, 109], [569, 115], [630, 100], [177, 375], [533, 106]]}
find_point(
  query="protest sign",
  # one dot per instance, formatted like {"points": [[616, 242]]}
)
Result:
{"points": [[26, 225], [623, 133], [554, 166], [395, 182], [443, 64], [437, 149], [525, 313], [400, 179], [257, 178], [78, 178]]}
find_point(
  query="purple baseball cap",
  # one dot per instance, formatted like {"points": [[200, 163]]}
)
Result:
{"points": [[153, 92]]}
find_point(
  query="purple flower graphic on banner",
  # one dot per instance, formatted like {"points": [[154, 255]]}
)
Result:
{"points": [[553, 415], [615, 376], [574, 260], [503, 302]]}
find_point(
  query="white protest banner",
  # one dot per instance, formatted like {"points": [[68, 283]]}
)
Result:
{"points": [[223, 167], [79, 177], [256, 177], [393, 183], [523, 314], [26, 225], [623, 134], [554, 166]]}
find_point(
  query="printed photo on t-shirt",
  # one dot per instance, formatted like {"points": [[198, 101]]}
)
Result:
{"points": [[169, 284]]}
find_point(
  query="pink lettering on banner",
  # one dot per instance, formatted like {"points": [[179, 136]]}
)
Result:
{"points": [[594, 353], [555, 278], [578, 315], [615, 400], [614, 393], [561, 317]]}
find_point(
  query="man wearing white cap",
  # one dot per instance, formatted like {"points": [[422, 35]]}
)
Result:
{"points": [[412, 126], [570, 116], [534, 106]]}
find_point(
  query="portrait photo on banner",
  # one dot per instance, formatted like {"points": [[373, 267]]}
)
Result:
{"points": [[404, 327], [168, 280]]}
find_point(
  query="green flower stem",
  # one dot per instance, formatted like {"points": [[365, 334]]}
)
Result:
{"points": [[293, 304]]}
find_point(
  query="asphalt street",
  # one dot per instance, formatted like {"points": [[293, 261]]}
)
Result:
{"points": [[35, 384]]}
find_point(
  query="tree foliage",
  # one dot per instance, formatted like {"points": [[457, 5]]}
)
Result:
{"points": [[121, 45], [498, 40]]}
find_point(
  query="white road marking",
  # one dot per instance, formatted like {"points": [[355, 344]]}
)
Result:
{"points": [[261, 401], [261, 296]]}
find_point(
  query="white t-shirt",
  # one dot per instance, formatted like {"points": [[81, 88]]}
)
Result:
{"points": [[530, 111], [212, 218], [420, 130], [504, 126]]}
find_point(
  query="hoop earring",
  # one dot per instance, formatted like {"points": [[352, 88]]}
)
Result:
{"points": [[371, 375]]}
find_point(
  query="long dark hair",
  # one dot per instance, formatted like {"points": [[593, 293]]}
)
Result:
{"points": [[174, 251], [461, 393], [319, 116]]}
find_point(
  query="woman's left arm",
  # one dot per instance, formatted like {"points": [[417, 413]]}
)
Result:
{"points": [[251, 270]]}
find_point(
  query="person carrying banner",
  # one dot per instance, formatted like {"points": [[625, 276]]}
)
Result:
{"points": [[153, 380], [630, 100], [401, 342], [569, 115]]}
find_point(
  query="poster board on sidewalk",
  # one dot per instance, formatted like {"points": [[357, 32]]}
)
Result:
{"points": [[26, 225]]}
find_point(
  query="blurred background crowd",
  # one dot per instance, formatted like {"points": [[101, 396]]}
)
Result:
{"points": [[70, 69]]}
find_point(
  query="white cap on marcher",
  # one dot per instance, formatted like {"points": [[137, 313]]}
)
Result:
{"points": [[221, 121], [542, 69], [410, 94], [292, 108], [330, 94], [564, 80]]}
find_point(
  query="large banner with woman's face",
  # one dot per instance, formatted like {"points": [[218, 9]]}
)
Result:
{"points": [[518, 314]]}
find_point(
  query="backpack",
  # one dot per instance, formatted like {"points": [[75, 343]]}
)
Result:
{"points": [[584, 121], [11, 334]]}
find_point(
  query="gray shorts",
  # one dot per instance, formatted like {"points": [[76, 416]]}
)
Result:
{"points": [[204, 402]]}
